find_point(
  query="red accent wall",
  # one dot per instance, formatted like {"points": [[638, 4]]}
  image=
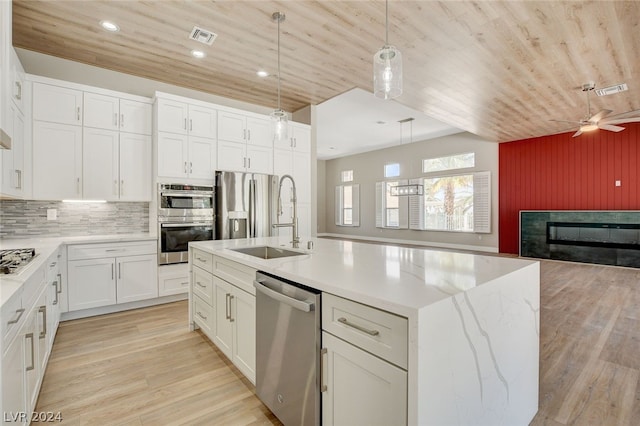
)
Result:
{"points": [[559, 172]]}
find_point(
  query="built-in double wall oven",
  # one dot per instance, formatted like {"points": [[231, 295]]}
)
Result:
{"points": [[185, 213]]}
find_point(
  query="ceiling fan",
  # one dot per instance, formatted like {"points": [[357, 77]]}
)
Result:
{"points": [[600, 119]]}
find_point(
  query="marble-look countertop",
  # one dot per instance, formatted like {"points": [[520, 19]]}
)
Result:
{"points": [[401, 280], [44, 247]]}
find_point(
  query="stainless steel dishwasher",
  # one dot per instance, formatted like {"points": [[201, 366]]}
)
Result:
{"points": [[288, 349]]}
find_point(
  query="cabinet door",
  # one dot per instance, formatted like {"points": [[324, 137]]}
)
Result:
{"points": [[13, 391], [57, 161], [17, 79], [172, 116], [202, 122], [13, 159], [172, 155], [135, 117], [223, 332], [361, 388], [259, 159], [41, 314], [53, 308], [57, 104], [137, 278], [231, 127], [231, 156], [259, 132], [31, 367], [300, 138], [91, 283], [135, 167], [100, 156], [101, 111], [243, 315], [202, 158]]}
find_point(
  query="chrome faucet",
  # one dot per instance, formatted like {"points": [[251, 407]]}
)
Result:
{"points": [[294, 222]]}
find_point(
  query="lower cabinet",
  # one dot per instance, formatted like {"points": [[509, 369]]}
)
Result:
{"points": [[173, 279], [225, 312], [106, 274]]}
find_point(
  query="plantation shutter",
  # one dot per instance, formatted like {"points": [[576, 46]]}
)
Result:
{"points": [[482, 202], [339, 205], [381, 188], [416, 208], [355, 202]]}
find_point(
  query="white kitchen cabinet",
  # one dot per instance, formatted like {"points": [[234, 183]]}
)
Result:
{"points": [[109, 273], [113, 113], [299, 138], [57, 161], [54, 294], [57, 104], [5, 46], [245, 143], [186, 119], [298, 165], [361, 389], [173, 279], [181, 156], [17, 83], [233, 156], [221, 292], [116, 165], [13, 390], [41, 339], [13, 162]]}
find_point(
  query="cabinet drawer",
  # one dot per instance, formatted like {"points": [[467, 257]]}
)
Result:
{"points": [[240, 275], [202, 260], [100, 250], [203, 285], [203, 316], [173, 279], [378, 332]]}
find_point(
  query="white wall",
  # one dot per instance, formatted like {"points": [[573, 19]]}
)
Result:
{"points": [[368, 169]]}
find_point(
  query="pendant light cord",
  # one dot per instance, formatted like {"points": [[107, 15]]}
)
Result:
{"points": [[386, 22], [279, 19]]}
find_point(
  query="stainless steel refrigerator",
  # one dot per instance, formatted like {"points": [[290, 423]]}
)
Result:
{"points": [[246, 204]]}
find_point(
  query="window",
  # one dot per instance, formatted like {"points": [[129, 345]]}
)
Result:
{"points": [[453, 203], [347, 176], [391, 210], [392, 170], [348, 205], [451, 162]]}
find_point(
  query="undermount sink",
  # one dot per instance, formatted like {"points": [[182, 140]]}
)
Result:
{"points": [[267, 252]]}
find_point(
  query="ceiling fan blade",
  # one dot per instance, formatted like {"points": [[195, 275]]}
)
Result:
{"points": [[578, 133], [600, 115], [610, 127], [621, 120], [633, 111]]}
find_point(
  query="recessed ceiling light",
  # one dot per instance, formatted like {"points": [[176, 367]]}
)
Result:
{"points": [[198, 54], [109, 26], [262, 73]]}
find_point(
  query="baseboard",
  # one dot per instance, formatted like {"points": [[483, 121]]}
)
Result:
{"points": [[486, 249], [102, 310]]}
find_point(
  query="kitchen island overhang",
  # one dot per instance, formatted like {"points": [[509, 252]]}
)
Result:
{"points": [[473, 352]]}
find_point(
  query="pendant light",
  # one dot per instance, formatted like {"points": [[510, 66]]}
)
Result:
{"points": [[387, 67], [279, 120]]}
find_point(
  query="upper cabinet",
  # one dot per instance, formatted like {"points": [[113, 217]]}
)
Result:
{"points": [[57, 104], [245, 143], [240, 128], [299, 139], [112, 113], [186, 119]]}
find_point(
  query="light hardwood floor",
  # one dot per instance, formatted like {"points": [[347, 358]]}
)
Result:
{"points": [[145, 367]]}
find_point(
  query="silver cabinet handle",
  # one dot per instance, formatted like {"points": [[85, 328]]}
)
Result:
{"points": [[33, 355], [59, 284], [249, 161], [185, 167], [121, 120], [231, 319], [115, 119], [115, 187], [15, 321], [346, 322], [323, 384], [201, 316], [78, 113], [114, 249], [185, 124], [43, 310], [227, 315], [18, 173], [18, 94], [199, 284], [291, 142], [201, 259], [53, 264], [184, 283], [244, 134], [244, 162], [249, 134], [190, 124], [78, 185], [112, 268], [55, 284], [119, 270], [190, 167]]}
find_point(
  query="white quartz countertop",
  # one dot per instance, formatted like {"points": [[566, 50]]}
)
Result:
{"points": [[397, 279], [44, 247]]}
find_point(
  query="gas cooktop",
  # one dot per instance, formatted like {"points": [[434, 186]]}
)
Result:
{"points": [[11, 261]]}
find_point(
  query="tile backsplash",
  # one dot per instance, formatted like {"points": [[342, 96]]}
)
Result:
{"points": [[28, 219]]}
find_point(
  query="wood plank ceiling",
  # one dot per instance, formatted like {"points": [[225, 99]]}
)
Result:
{"points": [[499, 69]]}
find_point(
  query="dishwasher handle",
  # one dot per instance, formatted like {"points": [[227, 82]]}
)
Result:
{"points": [[294, 303]]}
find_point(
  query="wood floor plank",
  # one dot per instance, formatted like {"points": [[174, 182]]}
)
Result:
{"points": [[145, 367]]}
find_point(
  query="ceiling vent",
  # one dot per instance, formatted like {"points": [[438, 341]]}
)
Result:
{"points": [[611, 89], [203, 36]]}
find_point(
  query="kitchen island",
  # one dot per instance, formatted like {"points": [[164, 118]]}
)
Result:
{"points": [[472, 321]]}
